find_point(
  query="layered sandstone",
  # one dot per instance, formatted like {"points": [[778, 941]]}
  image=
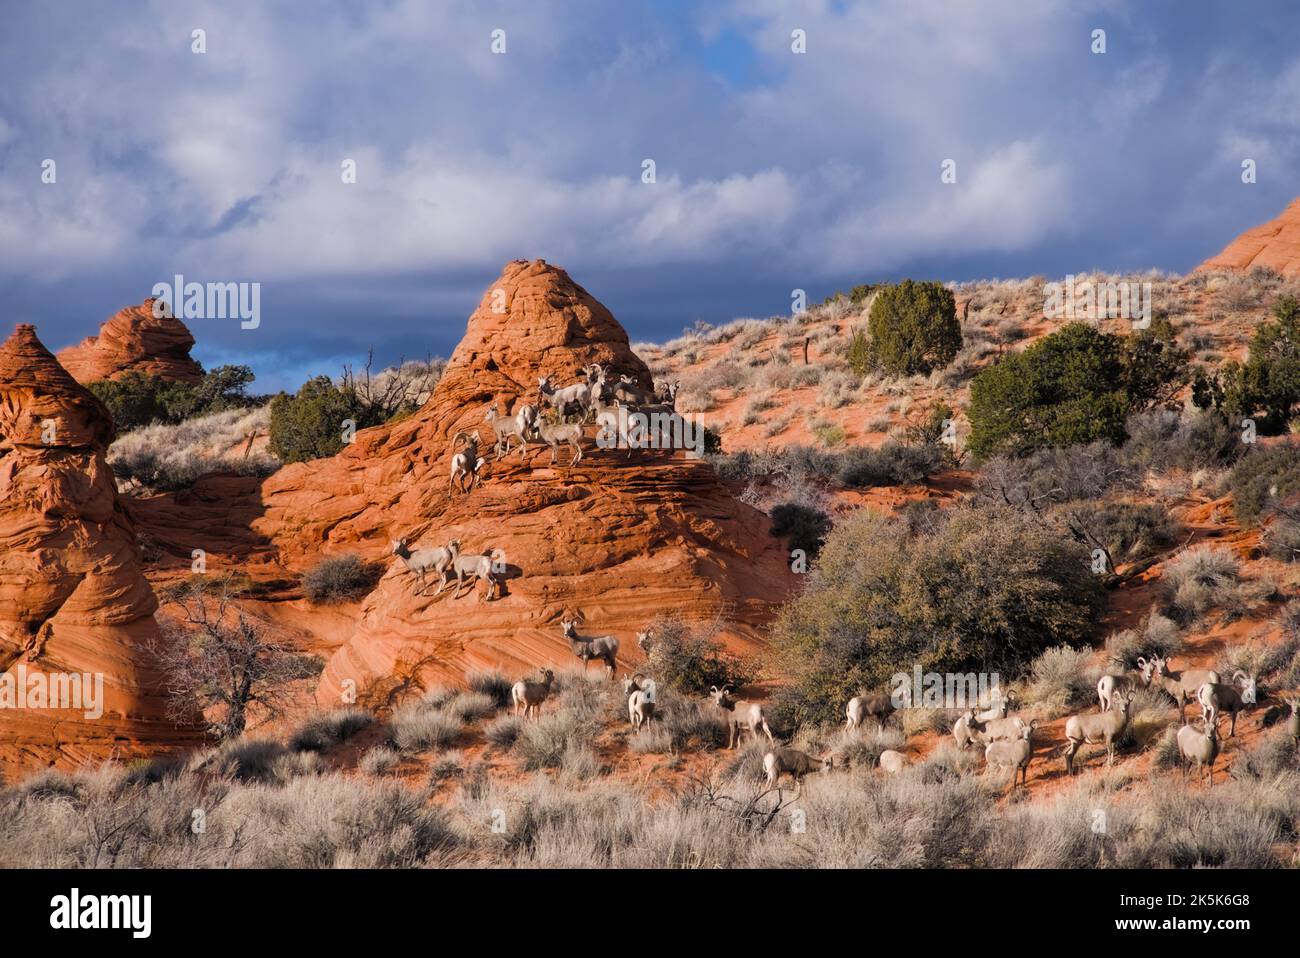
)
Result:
{"points": [[1275, 244], [73, 597], [134, 340], [618, 538]]}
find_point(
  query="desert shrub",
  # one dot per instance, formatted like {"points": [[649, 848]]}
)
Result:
{"points": [[976, 590], [504, 732], [493, 684], [380, 760], [1267, 385], [1164, 439], [328, 730], [861, 747], [166, 457], [544, 743], [893, 464], [689, 724], [1262, 476], [1078, 385], [417, 728], [1060, 678], [471, 706], [1158, 636], [829, 433], [1071, 474], [914, 328], [803, 527], [256, 760], [692, 660], [1281, 538], [1129, 531], [339, 579], [445, 766], [1198, 579]]}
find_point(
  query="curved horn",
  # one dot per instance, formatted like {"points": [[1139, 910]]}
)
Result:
{"points": [[1241, 673]]}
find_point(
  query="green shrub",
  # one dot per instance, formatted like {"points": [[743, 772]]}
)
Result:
{"points": [[1263, 475], [136, 399], [914, 327], [692, 661], [1267, 385], [977, 590], [339, 579], [1078, 385], [803, 527], [310, 425]]}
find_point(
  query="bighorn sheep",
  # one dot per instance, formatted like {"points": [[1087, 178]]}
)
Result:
{"points": [[423, 560], [466, 463], [1108, 686], [561, 399], [739, 714], [790, 761], [1216, 698], [1102, 728], [640, 692], [1015, 754], [667, 391], [628, 391], [966, 729], [645, 640], [475, 567], [1181, 686], [891, 761], [505, 430], [1199, 748], [1004, 729], [527, 419], [604, 648], [1293, 721], [553, 434], [877, 705], [530, 695]]}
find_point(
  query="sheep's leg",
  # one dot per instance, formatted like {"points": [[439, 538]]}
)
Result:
{"points": [[1233, 731]]}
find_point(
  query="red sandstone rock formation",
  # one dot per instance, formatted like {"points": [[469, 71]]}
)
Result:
{"points": [[134, 340], [618, 538], [73, 599], [1275, 244]]}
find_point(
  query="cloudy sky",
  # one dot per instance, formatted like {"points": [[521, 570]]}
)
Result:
{"points": [[774, 170]]}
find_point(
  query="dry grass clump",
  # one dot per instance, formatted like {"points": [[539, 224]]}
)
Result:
{"points": [[416, 727], [163, 457], [327, 730]]}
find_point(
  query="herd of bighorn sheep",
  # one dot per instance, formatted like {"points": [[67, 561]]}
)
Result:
{"points": [[547, 421], [1007, 739]]}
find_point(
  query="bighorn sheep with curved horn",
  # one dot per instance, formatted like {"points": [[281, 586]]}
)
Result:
{"points": [[739, 714], [1110, 685], [604, 647], [466, 463], [1216, 698], [1182, 686]]}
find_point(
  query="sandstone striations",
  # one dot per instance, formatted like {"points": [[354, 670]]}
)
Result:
{"points": [[73, 598], [618, 538], [1275, 244], [134, 340]]}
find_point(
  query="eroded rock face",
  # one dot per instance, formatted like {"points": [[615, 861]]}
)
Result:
{"points": [[618, 538], [134, 340], [1275, 244], [73, 598]]}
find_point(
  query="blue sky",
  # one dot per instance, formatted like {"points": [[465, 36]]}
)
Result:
{"points": [[775, 170]]}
